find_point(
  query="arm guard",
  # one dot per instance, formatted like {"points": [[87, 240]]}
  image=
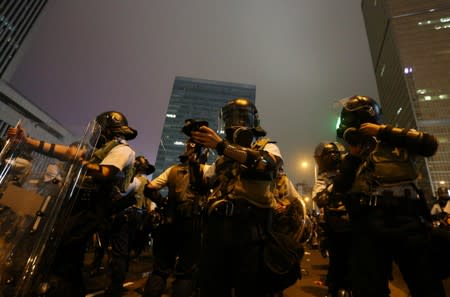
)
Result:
{"points": [[261, 163], [418, 142]]}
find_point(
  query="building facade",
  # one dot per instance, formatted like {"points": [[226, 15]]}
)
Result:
{"points": [[197, 99], [14, 108], [16, 19], [410, 47]]}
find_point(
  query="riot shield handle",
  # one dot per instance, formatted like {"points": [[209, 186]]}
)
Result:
{"points": [[5, 148]]}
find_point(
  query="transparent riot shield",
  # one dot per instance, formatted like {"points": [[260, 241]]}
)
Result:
{"points": [[37, 192]]}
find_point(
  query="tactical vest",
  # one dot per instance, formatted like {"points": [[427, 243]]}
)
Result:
{"points": [[179, 184], [97, 158], [385, 166], [233, 183]]}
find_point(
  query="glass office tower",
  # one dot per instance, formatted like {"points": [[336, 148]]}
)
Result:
{"points": [[410, 47], [197, 99], [16, 19]]}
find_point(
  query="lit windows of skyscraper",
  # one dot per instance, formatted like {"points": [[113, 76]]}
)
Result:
{"points": [[197, 99], [16, 18], [409, 42]]}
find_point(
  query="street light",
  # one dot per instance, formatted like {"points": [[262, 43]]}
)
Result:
{"points": [[304, 169]]}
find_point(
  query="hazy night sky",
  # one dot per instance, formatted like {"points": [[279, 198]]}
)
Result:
{"points": [[86, 57]]}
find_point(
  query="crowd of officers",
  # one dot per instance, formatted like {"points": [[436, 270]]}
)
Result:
{"points": [[218, 232]]}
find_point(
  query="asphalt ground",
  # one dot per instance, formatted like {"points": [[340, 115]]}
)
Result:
{"points": [[314, 270]]}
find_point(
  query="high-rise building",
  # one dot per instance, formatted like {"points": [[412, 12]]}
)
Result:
{"points": [[16, 19], [410, 46], [197, 99]]}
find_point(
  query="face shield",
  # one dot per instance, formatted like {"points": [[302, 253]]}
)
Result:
{"points": [[237, 117]]}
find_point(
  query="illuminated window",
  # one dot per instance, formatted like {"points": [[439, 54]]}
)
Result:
{"points": [[382, 70], [178, 143], [169, 115], [399, 110]]}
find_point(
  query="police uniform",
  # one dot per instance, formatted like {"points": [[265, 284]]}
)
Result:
{"points": [[334, 219], [388, 215], [127, 224], [337, 232], [91, 211], [176, 243], [93, 205], [240, 204]]}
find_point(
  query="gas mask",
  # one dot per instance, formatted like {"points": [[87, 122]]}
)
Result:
{"points": [[242, 136]]}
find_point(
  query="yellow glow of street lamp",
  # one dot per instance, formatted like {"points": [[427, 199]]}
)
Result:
{"points": [[304, 164]]}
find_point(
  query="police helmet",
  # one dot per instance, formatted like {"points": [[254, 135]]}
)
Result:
{"points": [[114, 123], [238, 113], [356, 111], [328, 155], [443, 193], [141, 164]]}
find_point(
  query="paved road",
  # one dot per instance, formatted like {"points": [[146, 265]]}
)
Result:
{"points": [[314, 269]]}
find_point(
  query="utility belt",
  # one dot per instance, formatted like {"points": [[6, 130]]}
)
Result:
{"points": [[236, 208], [387, 197], [406, 190]]}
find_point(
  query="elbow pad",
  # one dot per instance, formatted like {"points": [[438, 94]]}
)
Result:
{"points": [[259, 163], [429, 145], [256, 159], [418, 142]]}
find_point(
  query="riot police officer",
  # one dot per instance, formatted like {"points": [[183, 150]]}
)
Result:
{"points": [[143, 210], [177, 241], [388, 214], [441, 208], [239, 208], [129, 212], [334, 221], [106, 171]]}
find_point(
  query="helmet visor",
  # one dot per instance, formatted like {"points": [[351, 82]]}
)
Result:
{"points": [[238, 117]]}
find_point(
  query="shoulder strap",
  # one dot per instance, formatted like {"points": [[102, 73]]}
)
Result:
{"points": [[100, 154], [261, 143], [173, 173]]}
